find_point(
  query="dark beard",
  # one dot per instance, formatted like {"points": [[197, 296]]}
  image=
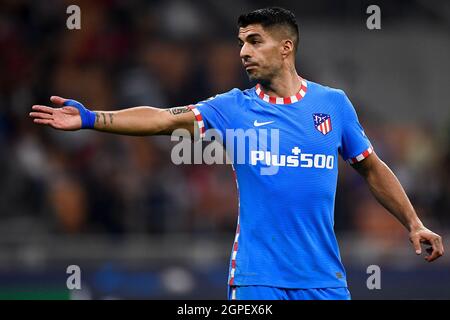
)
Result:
{"points": [[263, 78], [265, 81], [258, 78]]}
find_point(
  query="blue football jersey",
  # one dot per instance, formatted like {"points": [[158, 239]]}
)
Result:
{"points": [[286, 180]]}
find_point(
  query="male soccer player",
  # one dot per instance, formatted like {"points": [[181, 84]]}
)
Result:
{"points": [[285, 246]]}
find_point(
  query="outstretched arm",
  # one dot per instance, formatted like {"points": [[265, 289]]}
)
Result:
{"points": [[138, 121], [390, 194]]}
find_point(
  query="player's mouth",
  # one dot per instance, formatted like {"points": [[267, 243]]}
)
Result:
{"points": [[249, 66]]}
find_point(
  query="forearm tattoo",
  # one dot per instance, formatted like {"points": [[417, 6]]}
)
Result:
{"points": [[178, 110], [99, 115]]}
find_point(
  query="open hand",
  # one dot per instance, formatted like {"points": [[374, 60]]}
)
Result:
{"points": [[62, 118]]}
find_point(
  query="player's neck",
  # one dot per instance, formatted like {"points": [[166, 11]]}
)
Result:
{"points": [[285, 84]]}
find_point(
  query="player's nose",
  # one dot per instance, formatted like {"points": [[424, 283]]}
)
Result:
{"points": [[245, 53]]}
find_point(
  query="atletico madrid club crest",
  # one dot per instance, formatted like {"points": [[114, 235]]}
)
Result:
{"points": [[322, 122]]}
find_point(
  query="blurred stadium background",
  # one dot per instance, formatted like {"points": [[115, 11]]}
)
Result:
{"points": [[141, 227]]}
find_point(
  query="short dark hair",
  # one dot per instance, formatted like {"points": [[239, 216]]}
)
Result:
{"points": [[272, 17]]}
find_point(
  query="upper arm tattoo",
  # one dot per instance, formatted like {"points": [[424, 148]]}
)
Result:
{"points": [[178, 110]]}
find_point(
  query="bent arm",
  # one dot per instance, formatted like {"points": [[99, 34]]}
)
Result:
{"points": [[388, 191], [386, 188]]}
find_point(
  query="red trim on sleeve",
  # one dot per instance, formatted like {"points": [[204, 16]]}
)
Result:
{"points": [[360, 157], [199, 119]]}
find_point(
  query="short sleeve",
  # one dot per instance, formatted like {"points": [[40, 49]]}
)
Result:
{"points": [[355, 145], [216, 112]]}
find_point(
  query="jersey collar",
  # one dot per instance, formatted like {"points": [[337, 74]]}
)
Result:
{"points": [[276, 100]]}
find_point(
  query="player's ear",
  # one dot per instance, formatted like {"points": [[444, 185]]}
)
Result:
{"points": [[287, 47]]}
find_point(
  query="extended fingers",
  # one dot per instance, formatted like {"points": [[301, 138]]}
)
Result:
{"points": [[43, 109], [41, 115], [43, 121]]}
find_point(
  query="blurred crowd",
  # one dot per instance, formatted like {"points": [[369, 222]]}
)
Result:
{"points": [[162, 54]]}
